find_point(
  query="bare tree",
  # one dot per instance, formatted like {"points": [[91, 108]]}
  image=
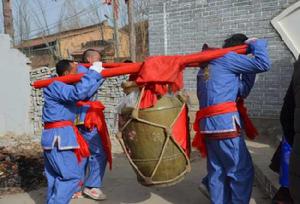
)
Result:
{"points": [[44, 27], [123, 14], [8, 18], [1, 25], [1, 20], [95, 15], [41, 22], [22, 21], [70, 9], [141, 8]]}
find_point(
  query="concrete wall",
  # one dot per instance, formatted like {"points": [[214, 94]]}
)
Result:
{"points": [[178, 27], [14, 90]]}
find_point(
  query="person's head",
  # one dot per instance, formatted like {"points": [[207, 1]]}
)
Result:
{"points": [[66, 67], [234, 40], [128, 61], [91, 56], [205, 47]]}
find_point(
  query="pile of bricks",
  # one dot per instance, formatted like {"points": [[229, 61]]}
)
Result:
{"points": [[37, 99]]}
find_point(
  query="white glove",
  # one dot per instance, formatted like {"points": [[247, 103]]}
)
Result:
{"points": [[249, 40], [97, 66]]}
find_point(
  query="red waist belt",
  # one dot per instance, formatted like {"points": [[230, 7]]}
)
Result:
{"points": [[222, 108], [83, 150], [95, 119]]}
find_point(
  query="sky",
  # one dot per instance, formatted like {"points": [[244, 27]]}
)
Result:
{"points": [[74, 12]]}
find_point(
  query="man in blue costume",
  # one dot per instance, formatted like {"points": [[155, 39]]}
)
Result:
{"points": [[63, 146], [229, 164], [95, 166]]}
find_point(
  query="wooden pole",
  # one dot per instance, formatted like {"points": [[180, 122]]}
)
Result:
{"points": [[132, 36], [8, 20], [116, 30]]}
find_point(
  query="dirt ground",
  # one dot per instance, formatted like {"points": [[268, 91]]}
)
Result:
{"points": [[21, 164], [121, 187]]}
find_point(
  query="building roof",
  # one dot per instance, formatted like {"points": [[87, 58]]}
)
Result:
{"points": [[53, 37]]}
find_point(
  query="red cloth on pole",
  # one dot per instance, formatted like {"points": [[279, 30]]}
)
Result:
{"points": [[180, 132], [168, 69], [163, 70], [68, 79], [95, 119], [222, 108], [73, 78], [158, 70], [83, 150]]}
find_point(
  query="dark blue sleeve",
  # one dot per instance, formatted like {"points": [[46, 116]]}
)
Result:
{"points": [[82, 69], [242, 64], [92, 91], [246, 83], [72, 93]]}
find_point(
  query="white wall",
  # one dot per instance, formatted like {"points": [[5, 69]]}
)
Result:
{"points": [[14, 89], [287, 25]]}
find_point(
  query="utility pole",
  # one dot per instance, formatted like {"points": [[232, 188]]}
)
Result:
{"points": [[116, 30], [132, 37], [8, 20]]}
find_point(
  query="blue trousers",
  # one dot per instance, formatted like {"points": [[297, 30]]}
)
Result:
{"points": [[284, 163], [95, 165], [230, 171], [63, 175]]}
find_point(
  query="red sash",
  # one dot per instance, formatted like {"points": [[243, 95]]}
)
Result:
{"points": [[83, 150], [222, 108], [95, 119]]}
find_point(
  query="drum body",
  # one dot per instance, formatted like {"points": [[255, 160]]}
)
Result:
{"points": [[147, 138]]}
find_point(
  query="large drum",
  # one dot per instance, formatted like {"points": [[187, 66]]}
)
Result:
{"points": [[148, 141]]}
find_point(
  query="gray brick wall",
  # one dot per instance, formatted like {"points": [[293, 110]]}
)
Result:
{"points": [[179, 27]]}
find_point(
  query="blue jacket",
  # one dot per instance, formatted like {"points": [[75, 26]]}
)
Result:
{"points": [[91, 96], [229, 77], [60, 105]]}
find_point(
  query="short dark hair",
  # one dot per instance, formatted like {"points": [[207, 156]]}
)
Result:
{"points": [[234, 40], [62, 66], [87, 53], [128, 61]]}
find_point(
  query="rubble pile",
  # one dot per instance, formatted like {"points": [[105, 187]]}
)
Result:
{"points": [[21, 167]]}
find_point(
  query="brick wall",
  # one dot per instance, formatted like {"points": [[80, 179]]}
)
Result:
{"points": [[178, 27], [109, 94]]}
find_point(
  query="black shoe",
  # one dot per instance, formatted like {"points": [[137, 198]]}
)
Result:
{"points": [[282, 196]]}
